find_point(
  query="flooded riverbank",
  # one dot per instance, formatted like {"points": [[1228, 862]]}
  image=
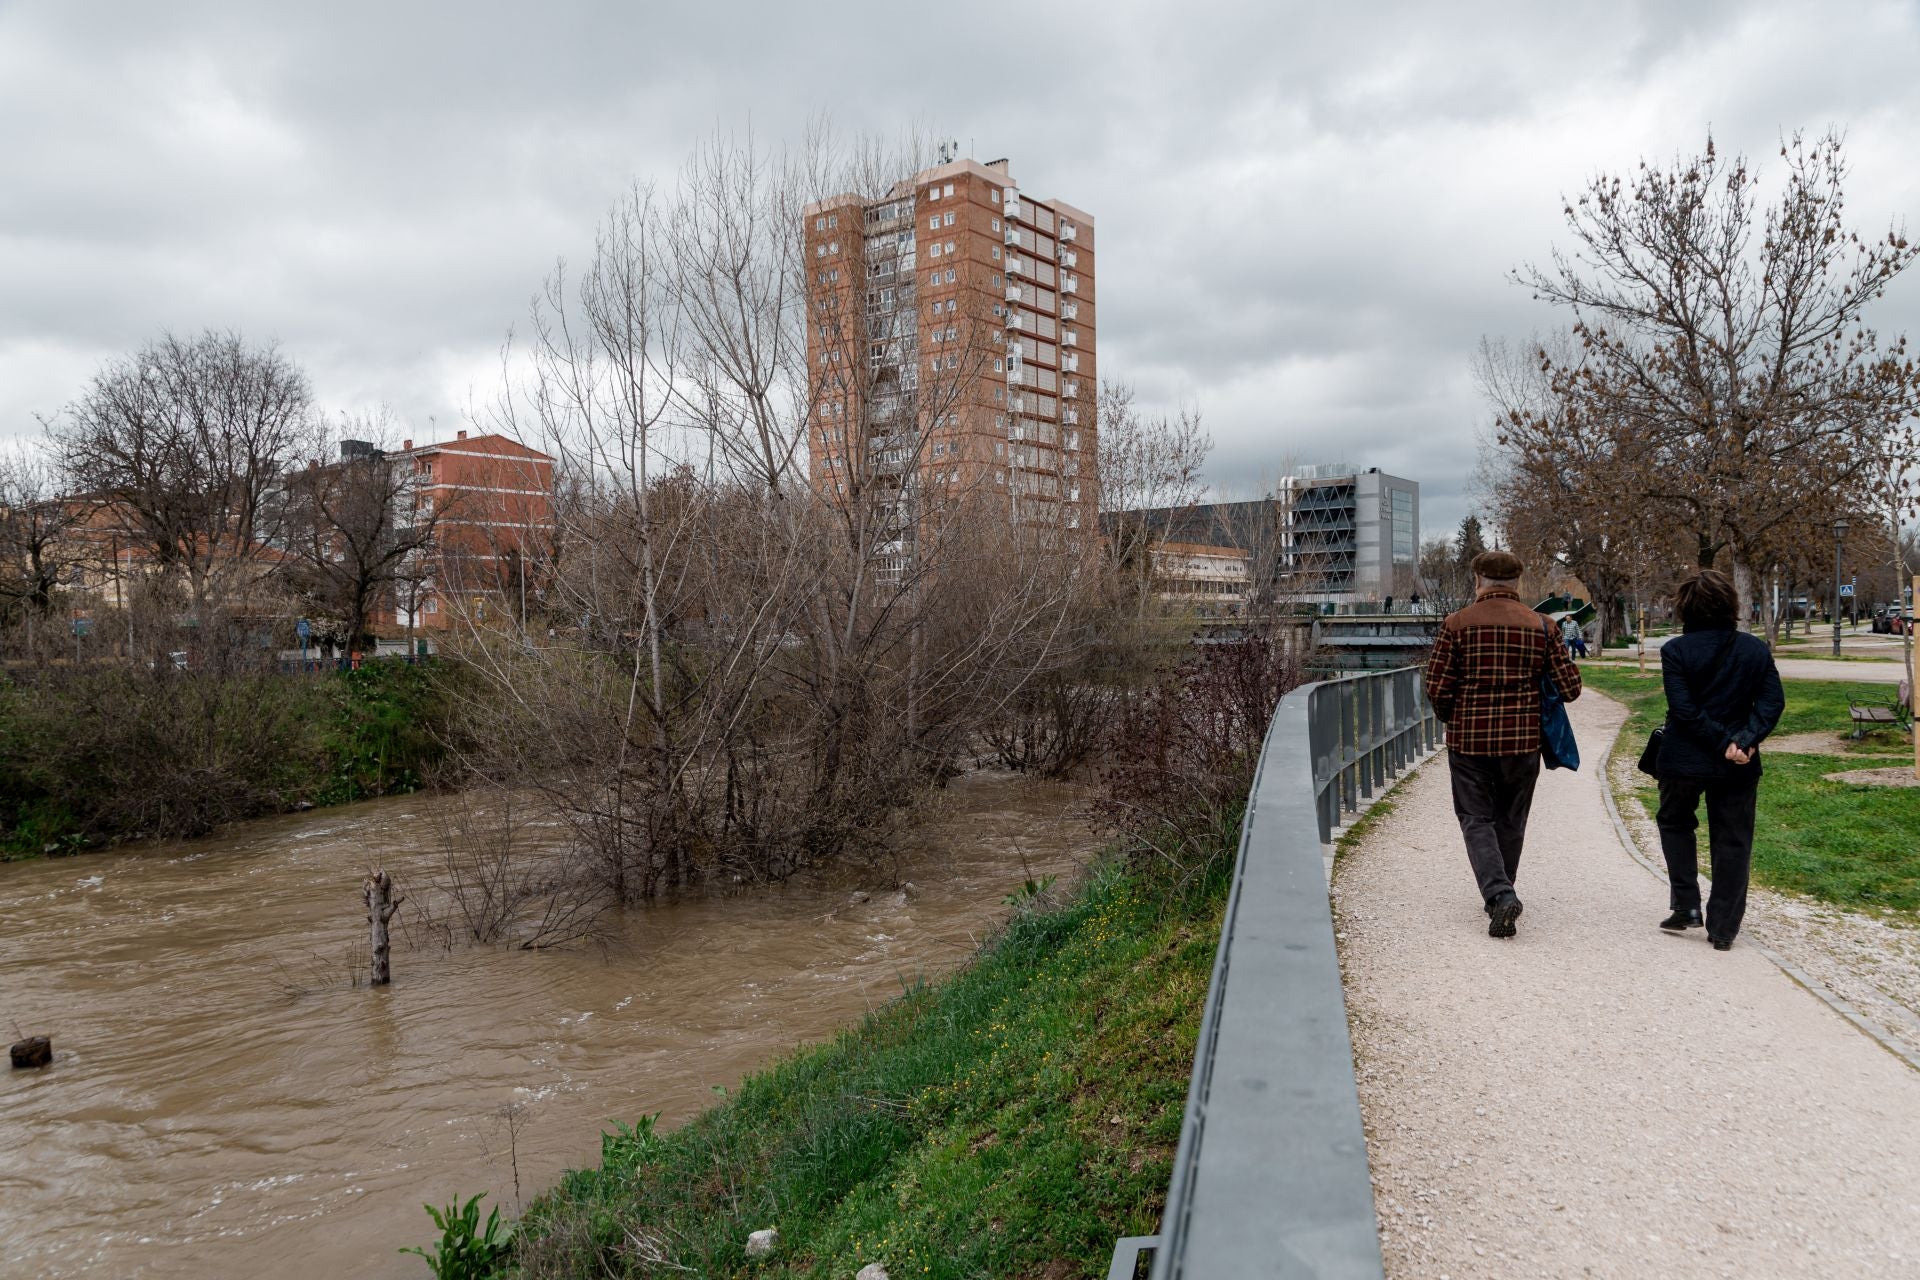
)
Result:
{"points": [[223, 1103]]}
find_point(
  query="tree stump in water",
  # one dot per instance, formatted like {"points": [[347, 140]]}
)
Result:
{"points": [[34, 1051], [382, 902]]}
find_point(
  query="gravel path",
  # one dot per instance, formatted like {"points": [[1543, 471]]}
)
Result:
{"points": [[1594, 1097]]}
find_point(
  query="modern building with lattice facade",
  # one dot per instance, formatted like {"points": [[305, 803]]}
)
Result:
{"points": [[1333, 535]]}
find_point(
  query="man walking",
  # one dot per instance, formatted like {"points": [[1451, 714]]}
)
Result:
{"points": [[1484, 682]]}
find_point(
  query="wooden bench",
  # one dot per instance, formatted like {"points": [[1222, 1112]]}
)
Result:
{"points": [[1871, 715]]}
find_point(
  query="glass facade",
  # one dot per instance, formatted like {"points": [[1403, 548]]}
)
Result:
{"points": [[1400, 502]]}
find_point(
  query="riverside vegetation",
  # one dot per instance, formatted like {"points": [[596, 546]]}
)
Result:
{"points": [[94, 755], [1013, 1119]]}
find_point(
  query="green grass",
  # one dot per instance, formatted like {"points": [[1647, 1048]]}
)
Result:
{"points": [[1851, 845], [1014, 1119]]}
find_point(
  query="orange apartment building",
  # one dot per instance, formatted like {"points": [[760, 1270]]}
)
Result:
{"points": [[492, 498], [951, 339]]}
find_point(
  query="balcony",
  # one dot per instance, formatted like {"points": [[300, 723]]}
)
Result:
{"points": [[1013, 292], [1068, 258], [1070, 285], [1017, 320], [1013, 235], [1068, 231]]}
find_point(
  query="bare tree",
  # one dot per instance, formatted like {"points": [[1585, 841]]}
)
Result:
{"points": [[41, 546], [356, 530], [736, 667], [1150, 474], [187, 440], [1728, 341], [1569, 487]]}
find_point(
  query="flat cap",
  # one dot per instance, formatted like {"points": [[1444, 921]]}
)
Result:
{"points": [[1498, 566]]}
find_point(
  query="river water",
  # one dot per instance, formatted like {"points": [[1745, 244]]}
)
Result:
{"points": [[223, 1102]]}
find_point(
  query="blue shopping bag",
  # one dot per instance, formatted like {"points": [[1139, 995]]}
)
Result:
{"points": [[1557, 747]]}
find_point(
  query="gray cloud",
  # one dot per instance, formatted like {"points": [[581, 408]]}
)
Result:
{"points": [[1306, 212]]}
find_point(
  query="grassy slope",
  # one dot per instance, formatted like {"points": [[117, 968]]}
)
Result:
{"points": [[1012, 1120], [1855, 846]]}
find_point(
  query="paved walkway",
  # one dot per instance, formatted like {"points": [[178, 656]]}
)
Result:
{"points": [[1595, 1097]]}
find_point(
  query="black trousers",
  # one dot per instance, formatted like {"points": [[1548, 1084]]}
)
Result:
{"points": [[1730, 804], [1492, 796]]}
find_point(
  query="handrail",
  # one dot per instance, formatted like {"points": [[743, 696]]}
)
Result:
{"points": [[1271, 1175]]}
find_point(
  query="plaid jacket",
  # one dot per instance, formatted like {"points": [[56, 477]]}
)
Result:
{"points": [[1484, 675]]}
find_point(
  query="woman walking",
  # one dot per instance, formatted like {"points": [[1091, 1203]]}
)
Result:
{"points": [[1723, 698]]}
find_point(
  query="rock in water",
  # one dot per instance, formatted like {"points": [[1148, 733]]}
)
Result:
{"points": [[34, 1051], [859, 897], [872, 1271], [762, 1243]]}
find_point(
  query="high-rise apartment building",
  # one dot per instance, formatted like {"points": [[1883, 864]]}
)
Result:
{"points": [[951, 339]]}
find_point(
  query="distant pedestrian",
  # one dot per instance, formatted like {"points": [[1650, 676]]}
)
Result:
{"points": [[1484, 682], [1575, 636], [1723, 699]]}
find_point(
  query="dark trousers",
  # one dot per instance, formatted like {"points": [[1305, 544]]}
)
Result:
{"points": [[1492, 796], [1729, 842]]}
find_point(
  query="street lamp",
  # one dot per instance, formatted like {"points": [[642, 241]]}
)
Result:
{"points": [[1839, 536]]}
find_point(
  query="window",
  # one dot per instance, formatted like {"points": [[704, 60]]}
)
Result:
{"points": [[996, 253], [933, 277], [999, 365], [999, 393], [953, 304], [949, 190], [949, 275], [431, 606], [933, 192], [1000, 477], [996, 224], [948, 220], [833, 220], [949, 246], [953, 362], [819, 251], [996, 279], [933, 251], [995, 195], [833, 246], [999, 448], [933, 223], [951, 333], [819, 224]]}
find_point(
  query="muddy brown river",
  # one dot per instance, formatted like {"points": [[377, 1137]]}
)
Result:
{"points": [[223, 1103]]}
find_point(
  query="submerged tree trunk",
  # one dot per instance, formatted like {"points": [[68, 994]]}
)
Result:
{"points": [[381, 902]]}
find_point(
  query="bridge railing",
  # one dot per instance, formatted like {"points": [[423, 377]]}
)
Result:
{"points": [[1271, 1176]]}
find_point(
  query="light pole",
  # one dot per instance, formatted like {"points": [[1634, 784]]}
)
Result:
{"points": [[1839, 537]]}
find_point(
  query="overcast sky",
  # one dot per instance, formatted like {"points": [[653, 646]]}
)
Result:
{"points": [[1306, 212]]}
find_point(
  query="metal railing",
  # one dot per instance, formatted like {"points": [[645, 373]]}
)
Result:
{"points": [[1271, 1175]]}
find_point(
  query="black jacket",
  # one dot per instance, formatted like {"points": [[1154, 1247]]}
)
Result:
{"points": [[1722, 687]]}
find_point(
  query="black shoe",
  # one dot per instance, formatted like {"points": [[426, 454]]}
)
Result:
{"points": [[1720, 944], [1501, 913], [1683, 920]]}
